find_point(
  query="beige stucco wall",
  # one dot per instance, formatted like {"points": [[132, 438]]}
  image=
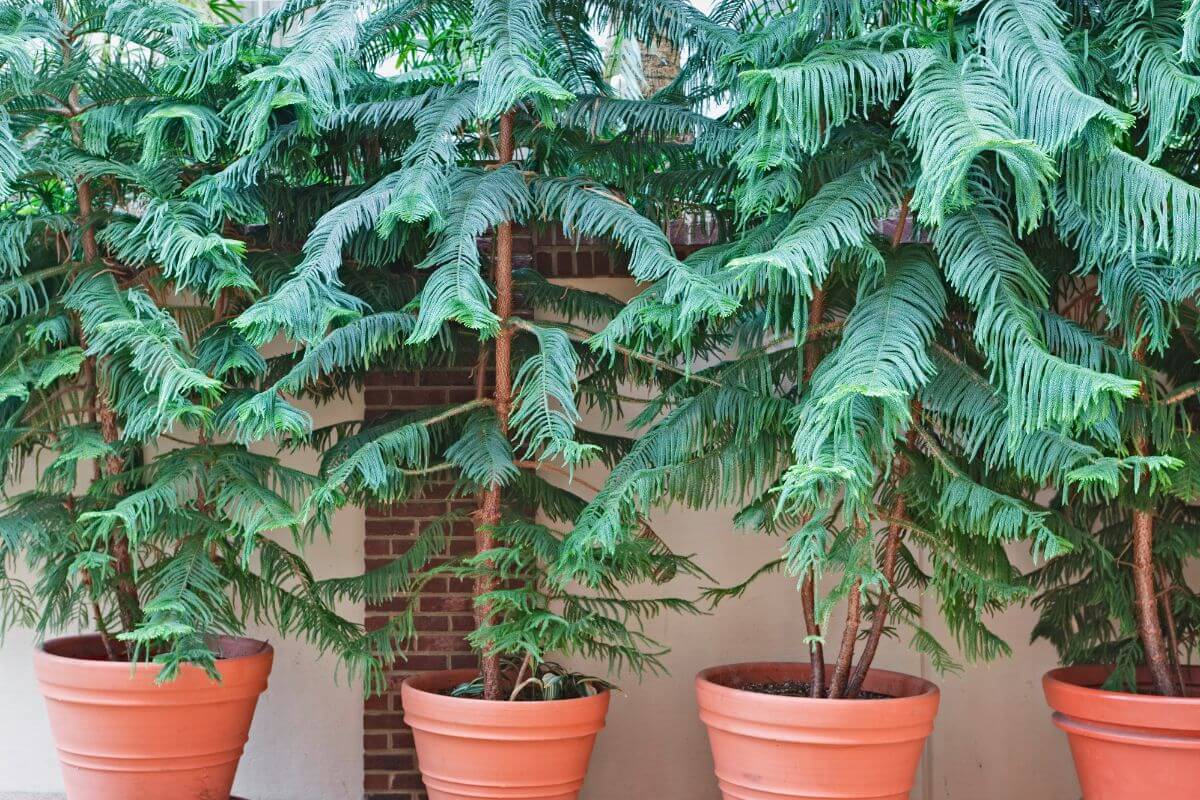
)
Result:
{"points": [[993, 741]]}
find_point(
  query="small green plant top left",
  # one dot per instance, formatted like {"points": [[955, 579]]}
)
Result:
{"points": [[204, 221]]}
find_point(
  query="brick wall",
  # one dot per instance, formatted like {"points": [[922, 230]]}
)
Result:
{"points": [[445, 609]]}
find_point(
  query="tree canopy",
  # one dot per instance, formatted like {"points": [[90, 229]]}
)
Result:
{"points": [[960, 272]]}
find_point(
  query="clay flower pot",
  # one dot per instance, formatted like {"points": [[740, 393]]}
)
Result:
{"points": [[770, 748], [471, 749], [1127, 746], [121, 736]]}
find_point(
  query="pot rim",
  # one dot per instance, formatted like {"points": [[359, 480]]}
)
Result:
{"points": [[1060, 679], [413, 683], [40, 653], [928, 689]]}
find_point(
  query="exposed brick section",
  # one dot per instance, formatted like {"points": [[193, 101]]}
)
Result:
{"points": [[444, 611]]}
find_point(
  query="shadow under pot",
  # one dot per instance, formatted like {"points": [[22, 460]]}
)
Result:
{"points": [[122, 736], [471, 749], [771, 747], [1128, 746]]}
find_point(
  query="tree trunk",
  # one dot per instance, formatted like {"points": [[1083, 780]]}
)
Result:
{"points": [[837, 686], [490, 511], [1146, 606], [1145, 594], [879, 620], [844, 684], [808, 596], [129, 606], [890, 551]]}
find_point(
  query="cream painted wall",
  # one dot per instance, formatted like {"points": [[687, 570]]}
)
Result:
{"points": [[306, 743], [993, 740]]}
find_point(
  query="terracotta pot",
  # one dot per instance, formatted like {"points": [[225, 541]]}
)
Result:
{"points": [[471, 749], [771, 748], [121, 736], [1128, 746]]}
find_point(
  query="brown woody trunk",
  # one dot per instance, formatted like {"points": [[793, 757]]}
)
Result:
{"points": [[1146, 607], [844, 684], [891, 550], [808, 597], [129, 606], [837, 686], [879, 620], [1145, 601], [490, 510]]}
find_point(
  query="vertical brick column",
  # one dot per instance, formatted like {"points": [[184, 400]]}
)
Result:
{"points": [[445, 609]]}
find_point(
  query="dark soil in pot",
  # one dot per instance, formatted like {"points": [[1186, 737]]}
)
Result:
{"points": [[799, 689]]}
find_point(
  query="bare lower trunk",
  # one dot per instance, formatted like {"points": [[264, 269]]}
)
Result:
{"points": [[879, 620], [816, 653], [837, 686], [489, 512], [1145, 594], [808, 594], [1146, 607], [891, 550]]}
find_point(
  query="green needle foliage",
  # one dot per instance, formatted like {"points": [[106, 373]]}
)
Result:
{"points": [[378, 144], [127, 500], [182, 197], [1023, 326]]}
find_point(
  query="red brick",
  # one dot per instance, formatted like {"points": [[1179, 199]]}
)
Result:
{"points": [[392, 763], [434, 643], [564, 266], [376, 780], [377, 547], [583, 264], [407, 780], [418, 662], [382, 722], [448, 377], [377, 397], [446, 604], [391, 379], [432, 624]]}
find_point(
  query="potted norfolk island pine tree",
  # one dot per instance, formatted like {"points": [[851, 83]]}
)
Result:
{"points": [[411, 131], [1119, 607], [892, 397], [132, 508]]}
